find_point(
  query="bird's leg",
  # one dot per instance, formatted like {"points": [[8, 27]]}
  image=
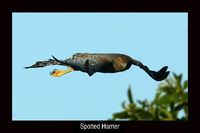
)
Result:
{"points": [[58, 73]]}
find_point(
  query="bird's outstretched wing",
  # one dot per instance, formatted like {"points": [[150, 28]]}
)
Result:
{"points": [[39, 64]]}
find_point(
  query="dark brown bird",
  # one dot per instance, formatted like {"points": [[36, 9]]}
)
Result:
{"points": [[99, 62]]}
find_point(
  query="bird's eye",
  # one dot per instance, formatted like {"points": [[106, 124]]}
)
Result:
{"points": [[51, 73]]}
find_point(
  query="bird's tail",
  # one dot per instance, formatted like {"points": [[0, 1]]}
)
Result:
{"points": [[49, 62], [158, 76]]}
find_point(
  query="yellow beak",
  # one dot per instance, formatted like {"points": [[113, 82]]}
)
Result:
{"points": [[58, 73]]}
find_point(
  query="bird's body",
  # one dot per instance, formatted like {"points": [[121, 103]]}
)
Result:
{"points": [[105, 63], [99, 62]]}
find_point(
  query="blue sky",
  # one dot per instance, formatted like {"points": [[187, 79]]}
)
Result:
{"points": [[156, 39]]}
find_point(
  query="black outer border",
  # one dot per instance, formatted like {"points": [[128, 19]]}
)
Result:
{"points": [[65, 6]]}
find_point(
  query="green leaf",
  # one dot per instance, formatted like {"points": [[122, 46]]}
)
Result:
{"points": [[185, 85], [185, 97], [124, 104], [166, 115], [185, 108], [158, 95], [121, 115], [167, 82], [171, 98], [157, 114], [143, 103], [179, 107], [140, 102], [130, 98], [167, 89], [178, 77], [143, 114], [131, 109], [167, 99]]}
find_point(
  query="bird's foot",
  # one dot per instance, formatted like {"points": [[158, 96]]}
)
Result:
{"points": [[58, 73]]}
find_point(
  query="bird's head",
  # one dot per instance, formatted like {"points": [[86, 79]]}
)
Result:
{"points": [[58, 73]]}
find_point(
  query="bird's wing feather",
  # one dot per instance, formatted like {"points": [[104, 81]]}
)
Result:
{"points": [[39, 64]]}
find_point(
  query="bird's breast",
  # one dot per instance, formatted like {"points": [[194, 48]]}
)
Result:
{"points": [[106, 63]]}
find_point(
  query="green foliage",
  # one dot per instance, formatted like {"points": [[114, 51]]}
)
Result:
{"points": [[130, 97], [171, 98]]}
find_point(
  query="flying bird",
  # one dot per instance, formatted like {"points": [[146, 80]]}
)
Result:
{"points": [[99, 62]]}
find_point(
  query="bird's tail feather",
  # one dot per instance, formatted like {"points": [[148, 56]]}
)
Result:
{"points": [[158, 76]]}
